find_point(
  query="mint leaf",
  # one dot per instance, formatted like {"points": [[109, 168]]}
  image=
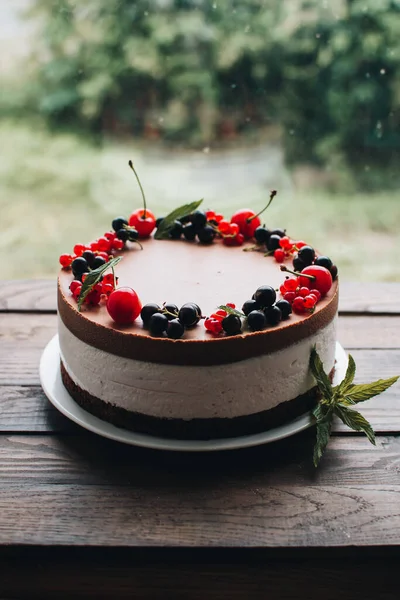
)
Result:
{"points": [[322, 379], [323, 434], [365, 391], [232, 311], [348, 378], [94, 277], [179, 213], [355, 421]]}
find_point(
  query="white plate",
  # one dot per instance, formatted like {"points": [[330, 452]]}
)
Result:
{"points": [[50, 378]]}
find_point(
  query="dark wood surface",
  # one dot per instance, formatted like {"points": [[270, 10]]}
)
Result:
{"points": [[81, 516]]}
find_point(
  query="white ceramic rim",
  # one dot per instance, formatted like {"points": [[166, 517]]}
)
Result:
{"points": [[50, 378]]}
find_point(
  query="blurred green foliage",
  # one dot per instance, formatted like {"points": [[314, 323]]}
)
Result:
{"points": [[198, 71]]}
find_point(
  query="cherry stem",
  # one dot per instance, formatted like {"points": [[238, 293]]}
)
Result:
{"points": [[272, 195], [297, 273], [130, 163]]}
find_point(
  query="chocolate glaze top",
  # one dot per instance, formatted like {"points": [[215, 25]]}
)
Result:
{"points": [[179, 272]]}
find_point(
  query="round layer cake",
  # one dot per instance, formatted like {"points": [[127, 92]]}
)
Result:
{"points": [[200, 386]]}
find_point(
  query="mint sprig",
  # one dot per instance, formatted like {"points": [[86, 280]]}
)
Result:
{"points": [[179, 213], [94, 277], [232, 311], [336, 400]]}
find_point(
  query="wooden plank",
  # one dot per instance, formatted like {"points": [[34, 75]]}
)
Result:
{"points": [[313, 579], [94, 492], [40, 295], [369, 331]]}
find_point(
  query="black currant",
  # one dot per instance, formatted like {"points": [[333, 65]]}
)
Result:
{"points": [[280, 232], [189, 232], [199, 219], [206, 234], [148, 310], [256, 320], [176, 230], [133, 235], [186, 219], [232, 324], [273, 241], [171, 308], [298, 264], [249, 305], [265, 295], [307, 255], [123, 234], [158, 323], [99, 261], [175, 329], [159, 221], [189, 314], [89, 256], [79, 265], [118, 223], [323, 261], [334, 272], [261, 235], [273, 315], [285, 307]]}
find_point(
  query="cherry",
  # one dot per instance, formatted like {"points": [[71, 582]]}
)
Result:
{"points": [[123, 305], [322, 278], [248, 220], [142, 219]]}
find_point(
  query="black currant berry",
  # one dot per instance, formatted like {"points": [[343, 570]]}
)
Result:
{"points": [[123, 234], [158, 323], [189, 232], [133, 235], [171, 308], [273, 241], [99, 261], [285, 307], [148, 310], [89, 256], [261, 235], [256, 320], [176, 230], [232, 325], [79, 265], [280, 232], [186, 219], [206, 234], [199, 219], [189, 314], [159, 221], [334, 272], [298, 264], [175, 329], [248, 306], [323, 261], [273, 315], [118, 223], [307, 255], [265, 295]]}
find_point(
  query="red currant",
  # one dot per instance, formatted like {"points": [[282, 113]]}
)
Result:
{"points": [[79, 249], [289, 296], [300, 244], [109, 278], [93, 297], [77, 291], [110, 235], [213, 325], [143, 221], [117, 244], [103, 244], [316, 293], [74, 284], [285, 242], [66, 260], [322, 281], [310, 301], [103, 255], [107, 288], [123, 305], [224, 227], [291, 284], [210, 214], [298, 305], [303, 291], [247, 221], [279, 255], [93, 246], [218, 218]]}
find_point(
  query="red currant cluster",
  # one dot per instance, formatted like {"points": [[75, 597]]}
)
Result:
{"points": [[213, 323], [100, 292], [302, 298], [100, 248]]}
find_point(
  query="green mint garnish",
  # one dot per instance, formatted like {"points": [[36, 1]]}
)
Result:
{"points": [[232, 311], [338, 400], [94, 277], [179, 213]]}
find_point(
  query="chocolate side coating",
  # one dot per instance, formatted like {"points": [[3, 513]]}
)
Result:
{"points": [[195, 429], [213, 351]]}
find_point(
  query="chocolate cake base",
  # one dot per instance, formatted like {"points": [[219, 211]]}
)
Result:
{"points": [[195, 429]]}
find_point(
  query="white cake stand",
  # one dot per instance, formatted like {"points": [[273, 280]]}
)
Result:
{"points": [[50, 378]]}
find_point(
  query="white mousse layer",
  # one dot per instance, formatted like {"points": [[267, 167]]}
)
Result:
{"points": [[187, 392]]}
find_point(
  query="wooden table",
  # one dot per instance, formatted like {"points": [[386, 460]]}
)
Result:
{"points": [[93, 518]]}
